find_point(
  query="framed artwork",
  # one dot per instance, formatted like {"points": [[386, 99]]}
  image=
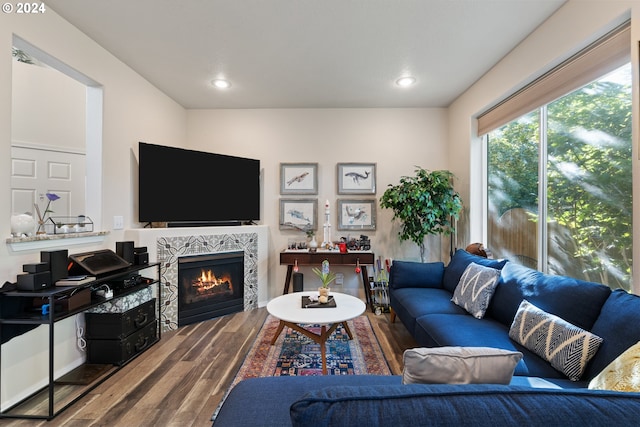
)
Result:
{"points": [[298, 214], [356, 214], [298, 178], [356, 178]]}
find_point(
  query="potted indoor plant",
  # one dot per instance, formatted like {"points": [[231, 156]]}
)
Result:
{"points": [[425, 204], [326, 277]]}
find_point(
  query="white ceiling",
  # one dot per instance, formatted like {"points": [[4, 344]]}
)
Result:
{"points": [[308, 53]]}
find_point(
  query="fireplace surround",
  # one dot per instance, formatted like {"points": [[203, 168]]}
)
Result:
{"points": [[167, 245]]}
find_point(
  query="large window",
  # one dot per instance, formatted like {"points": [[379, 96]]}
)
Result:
{"points": [[559, 184]]}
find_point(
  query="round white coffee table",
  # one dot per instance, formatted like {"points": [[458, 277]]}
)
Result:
{"points": [[288, 308]]}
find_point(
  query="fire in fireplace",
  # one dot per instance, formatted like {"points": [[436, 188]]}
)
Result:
{"points": [[210, 285]]}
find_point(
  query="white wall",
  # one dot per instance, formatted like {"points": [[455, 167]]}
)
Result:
{"points": [[570, 29], [395, 139], [48, 107], [134, 110]]}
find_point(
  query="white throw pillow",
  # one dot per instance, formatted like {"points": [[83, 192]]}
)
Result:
{"points": [[475, 289], [459, 365]]}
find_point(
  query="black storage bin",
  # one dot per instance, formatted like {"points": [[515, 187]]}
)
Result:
{"points": [[120, 325], [117, 352]]}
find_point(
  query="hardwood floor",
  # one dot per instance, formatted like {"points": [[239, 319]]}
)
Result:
{"points": [[181, 380]]}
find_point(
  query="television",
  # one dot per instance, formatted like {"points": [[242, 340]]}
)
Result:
{"points": [[194, 188]]}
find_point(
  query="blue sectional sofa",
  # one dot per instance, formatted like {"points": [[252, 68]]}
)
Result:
{"points": [[420, 295]]}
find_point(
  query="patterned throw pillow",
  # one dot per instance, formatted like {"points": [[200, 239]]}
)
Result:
{"points": [[623, 374], [566, 347], [475, 289]]}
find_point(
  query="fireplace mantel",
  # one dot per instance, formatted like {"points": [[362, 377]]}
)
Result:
{"points": [[166, 245]]}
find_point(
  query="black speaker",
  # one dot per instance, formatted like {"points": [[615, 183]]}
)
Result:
{"points": [[125, 250], [58, 263], [34, 281], [298, 282], [141, 258], [36, 267]]}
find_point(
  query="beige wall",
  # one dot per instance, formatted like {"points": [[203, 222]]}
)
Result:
{"points": [[570, 29], [395, 139], [134, 110]]}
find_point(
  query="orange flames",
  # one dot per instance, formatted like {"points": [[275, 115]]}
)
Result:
{"points": [[208, 280]]}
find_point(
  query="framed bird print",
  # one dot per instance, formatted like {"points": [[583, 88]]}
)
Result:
{"points": [[356, 178], [298, 178]]}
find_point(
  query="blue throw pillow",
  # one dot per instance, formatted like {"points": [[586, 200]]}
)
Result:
{"points": [[408, 274], [461, 259]]}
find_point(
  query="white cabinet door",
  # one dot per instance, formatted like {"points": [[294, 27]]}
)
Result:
{"points": [[37, 171]]}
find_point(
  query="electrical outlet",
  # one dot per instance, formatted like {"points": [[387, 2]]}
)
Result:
{"points": [[118, 222], [339, 279]]}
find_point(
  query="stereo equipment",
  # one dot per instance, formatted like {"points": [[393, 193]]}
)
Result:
{"points": [[58, 263], [140, 256], [34, 281], [298, 282], [141, 259], [97, 262], [36, 267], [125, 250]]}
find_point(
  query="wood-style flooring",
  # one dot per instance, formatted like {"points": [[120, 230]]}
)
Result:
{"points": [[181, 379]]}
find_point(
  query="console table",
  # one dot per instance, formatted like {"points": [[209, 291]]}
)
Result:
{"points": [[60, 393], [363, 258]]}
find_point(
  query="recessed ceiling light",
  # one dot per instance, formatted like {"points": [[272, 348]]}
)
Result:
{"points": [[221, 83], [405, 81]]}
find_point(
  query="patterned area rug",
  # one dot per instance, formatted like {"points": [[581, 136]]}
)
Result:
{"points": [[295, 354]]}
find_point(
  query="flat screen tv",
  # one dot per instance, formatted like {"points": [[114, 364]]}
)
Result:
{"points": [[191, 188]]}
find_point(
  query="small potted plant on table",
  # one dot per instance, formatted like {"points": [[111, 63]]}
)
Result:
{"points": [[326, 277]]}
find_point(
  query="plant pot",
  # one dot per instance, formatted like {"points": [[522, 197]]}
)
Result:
{"points": [[313, 243], [324, 295]]}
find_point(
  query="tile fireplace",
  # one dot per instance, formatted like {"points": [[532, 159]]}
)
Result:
{"points": [[168, 245], [210, 285]]}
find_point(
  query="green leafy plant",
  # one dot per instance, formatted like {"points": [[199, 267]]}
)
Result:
{"points": [[425, 204]]}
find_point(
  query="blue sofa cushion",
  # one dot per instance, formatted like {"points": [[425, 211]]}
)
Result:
{"points": [[439, 330], [618, 326], [477, 405], [461, 259], [576, 301], [408, 274], [265, 401], [411, 303]]}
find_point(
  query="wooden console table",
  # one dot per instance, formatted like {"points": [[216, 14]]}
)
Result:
{"points": [[363, 258]]}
